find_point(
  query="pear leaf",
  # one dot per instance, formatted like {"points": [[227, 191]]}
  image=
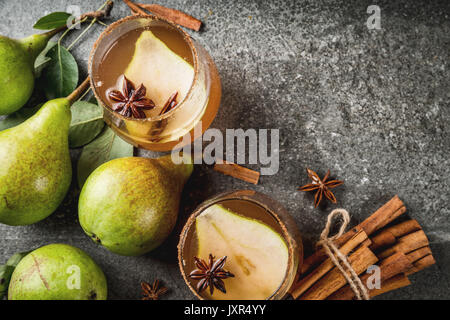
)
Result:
{"points": [[52, 21], [87, 123], [60, 76], [106, 147], [42, 60], [7, 270], [18, 117]]}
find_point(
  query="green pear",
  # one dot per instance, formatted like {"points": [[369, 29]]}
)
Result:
{"points": [[254, 251], [36, 170], [17, 69], [130, 205], [57, 272]]}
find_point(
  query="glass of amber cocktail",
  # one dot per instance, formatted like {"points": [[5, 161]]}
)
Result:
{"points": [[180, 84], [259, 238]]}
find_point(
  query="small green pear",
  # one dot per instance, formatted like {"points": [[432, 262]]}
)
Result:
{"points": [[130, 205], [17, 69], [57, 272], [36, 170]]}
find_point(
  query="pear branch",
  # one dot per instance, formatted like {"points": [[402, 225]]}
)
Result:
{"points": [[103, 12], [51, 33]]}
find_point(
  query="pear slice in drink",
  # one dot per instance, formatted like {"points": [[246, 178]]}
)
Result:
{"points": [[162, 72], [256, 254]]}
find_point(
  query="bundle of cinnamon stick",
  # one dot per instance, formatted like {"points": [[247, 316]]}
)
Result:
{"points": [[398, 249]]}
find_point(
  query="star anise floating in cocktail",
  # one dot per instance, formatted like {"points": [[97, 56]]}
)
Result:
{"points": [[170, 104], [322, 186], [130, 101], [210, 275]]}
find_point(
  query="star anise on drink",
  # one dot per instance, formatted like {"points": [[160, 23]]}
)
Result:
{"points": [[322, 186], [152, 292], [130, 101], [210, 274], [170, 103]]}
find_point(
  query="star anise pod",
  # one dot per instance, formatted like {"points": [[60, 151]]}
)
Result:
{"points": [[210, 274], [322, 186], [130, 101], [152, 292], [170, 103]]}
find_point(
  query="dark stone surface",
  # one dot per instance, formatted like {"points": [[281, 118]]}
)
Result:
{"points": [[371, 105]]}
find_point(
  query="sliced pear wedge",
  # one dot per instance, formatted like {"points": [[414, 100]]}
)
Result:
{"points": [[162, 71], [257, 255]]}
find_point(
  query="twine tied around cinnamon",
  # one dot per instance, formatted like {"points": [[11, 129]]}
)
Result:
{"points": [[340, 260]]}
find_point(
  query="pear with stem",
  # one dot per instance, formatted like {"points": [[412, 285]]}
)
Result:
{"points": [[36, 170], [17, 58], [130, 205]]}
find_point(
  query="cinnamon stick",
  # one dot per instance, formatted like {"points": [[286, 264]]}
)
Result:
{"points": [[404, 228], [418, 254], [172, 15], [360, 260], [305, 283], [421, 264], [406, 244], [383, 216], [383, 240], [394, 283], [235, 170], [389, 267], [135, 8], [388, 237], [176, 16]]}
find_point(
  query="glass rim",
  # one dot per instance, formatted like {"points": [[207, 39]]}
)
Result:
{"points": [[290, 240], [151, 17]]}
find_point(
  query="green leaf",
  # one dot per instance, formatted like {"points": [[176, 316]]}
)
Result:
{"points": [[18, 117], [60, 77], [87, 123], [42, 60], [52, 21], [106, 147], [7, 270]]}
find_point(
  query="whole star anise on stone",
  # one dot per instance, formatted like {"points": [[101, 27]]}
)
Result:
{"points": [[152, 292], [210, 275], [322, 186], [130, 101]]}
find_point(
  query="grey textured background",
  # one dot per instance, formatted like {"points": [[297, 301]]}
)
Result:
{"points": [[371, 105]]}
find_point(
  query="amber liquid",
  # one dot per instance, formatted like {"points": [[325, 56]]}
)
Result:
{"points": [[116, 60], [244, 208], [118, 57]]}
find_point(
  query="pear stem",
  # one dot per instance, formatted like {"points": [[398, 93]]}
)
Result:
{"points": [[78, 91], [51, 33]]}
